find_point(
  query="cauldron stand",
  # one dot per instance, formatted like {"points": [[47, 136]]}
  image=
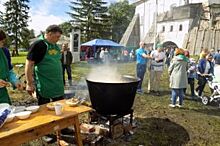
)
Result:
{"points": [[113, 118]]}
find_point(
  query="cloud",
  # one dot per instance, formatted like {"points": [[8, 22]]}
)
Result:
{"points": [[40, 22], [43, 14], [2, 8]]}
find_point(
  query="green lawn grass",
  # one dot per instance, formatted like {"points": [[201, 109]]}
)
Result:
{"points": [[19, 59]]}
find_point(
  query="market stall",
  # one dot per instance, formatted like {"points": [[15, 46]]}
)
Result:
{"points": [[90, 51]]}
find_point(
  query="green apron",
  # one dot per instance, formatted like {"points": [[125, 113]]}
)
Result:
{"points": [[48, 73], [4, 73]]}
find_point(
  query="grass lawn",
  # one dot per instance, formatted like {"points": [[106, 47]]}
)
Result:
{"points": [[19, 59], [159, 125]]}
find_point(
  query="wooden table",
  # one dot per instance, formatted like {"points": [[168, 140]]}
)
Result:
{"points": [[41, 123]]}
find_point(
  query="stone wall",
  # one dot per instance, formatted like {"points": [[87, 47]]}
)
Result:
{"points": [[182, 12], [207, 33], [131, 37]]}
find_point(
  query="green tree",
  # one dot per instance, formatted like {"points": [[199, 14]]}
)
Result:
{"points": [[92, 18], [15, 19], [121, 15], [66, 28], [26, 35]]}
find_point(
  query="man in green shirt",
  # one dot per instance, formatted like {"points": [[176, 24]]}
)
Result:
{"points": [[44, 62]]}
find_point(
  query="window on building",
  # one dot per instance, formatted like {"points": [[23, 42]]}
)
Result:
{"points": [[75, 42], [171, 28], [180, 27], [186, 2], [163, 29]]}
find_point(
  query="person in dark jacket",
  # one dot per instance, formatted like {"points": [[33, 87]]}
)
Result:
{"points": [[66, 60], [205, 69], [217, 56]]}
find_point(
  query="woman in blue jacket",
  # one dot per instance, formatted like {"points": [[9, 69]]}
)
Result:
{"points": [[205, 69]]}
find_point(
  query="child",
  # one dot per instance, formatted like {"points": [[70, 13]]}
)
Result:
{"points": [[192, 75]]}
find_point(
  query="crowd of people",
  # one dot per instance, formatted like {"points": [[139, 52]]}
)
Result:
{"points": [[182, 70], [103, 55]]}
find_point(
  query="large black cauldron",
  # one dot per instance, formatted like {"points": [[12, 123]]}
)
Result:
{"points": [[113, 98]]}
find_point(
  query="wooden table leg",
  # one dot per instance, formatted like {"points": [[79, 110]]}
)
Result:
{"points": [[58, 138], [77, 131]]}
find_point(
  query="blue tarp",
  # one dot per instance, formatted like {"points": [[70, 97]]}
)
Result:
{"points": [[101, 42]]}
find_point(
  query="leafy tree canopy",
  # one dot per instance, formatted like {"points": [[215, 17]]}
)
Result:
{"points": [[92, 18], [15, 20], [66, 28], [121, 15]]}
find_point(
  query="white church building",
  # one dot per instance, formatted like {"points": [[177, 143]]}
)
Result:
{"points": [[190, 24]]}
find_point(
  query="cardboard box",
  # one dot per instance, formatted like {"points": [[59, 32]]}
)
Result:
{"points": [[87, 128], [101, 130], [117, 130], [93, 129]]}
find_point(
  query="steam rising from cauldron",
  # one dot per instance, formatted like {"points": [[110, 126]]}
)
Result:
{"points": [[105, 74]]}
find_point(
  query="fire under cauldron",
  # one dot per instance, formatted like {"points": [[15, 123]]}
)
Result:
{"points": [[113, 98]]}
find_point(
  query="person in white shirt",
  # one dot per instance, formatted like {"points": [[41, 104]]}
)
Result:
{"points": [[156, 69], [101, 55]]}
